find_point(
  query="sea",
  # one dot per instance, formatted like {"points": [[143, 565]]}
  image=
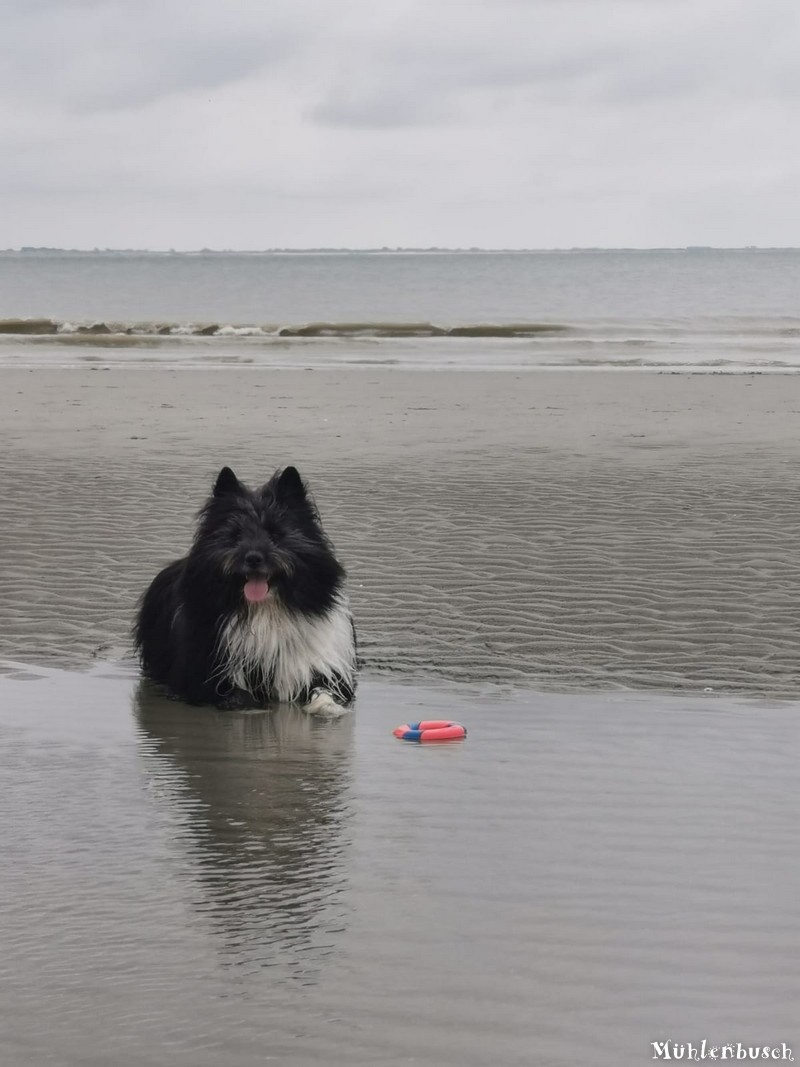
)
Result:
{"points": [[689, 309]]}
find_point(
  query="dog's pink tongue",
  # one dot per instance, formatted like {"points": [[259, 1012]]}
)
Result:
{"points": [[256, 590]]}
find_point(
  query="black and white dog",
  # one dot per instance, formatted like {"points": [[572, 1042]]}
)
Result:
{"points": [[256, 612]]}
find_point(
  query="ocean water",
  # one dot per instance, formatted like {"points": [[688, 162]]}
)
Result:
{"points": [[691, 309]]}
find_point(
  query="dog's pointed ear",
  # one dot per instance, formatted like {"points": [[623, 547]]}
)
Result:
{"points": [[290, 487], [226, 483]]}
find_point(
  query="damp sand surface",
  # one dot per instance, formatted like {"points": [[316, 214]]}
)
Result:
{"points": [[597, 573], [560, 530]]}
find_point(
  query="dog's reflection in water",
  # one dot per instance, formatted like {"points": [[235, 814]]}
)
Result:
{"points": [[254, 806]]}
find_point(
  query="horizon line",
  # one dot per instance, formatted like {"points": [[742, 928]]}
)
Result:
{"points": [[389, 250]]}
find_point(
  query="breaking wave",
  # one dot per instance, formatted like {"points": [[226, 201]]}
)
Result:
{"points": [[24, 327], [704, 343]]}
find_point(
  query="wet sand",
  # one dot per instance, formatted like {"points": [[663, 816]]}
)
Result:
{"points": [[566, 563], [561, 530]]}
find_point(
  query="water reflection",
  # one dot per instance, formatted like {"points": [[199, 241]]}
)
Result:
{"points": [[253, 810]]}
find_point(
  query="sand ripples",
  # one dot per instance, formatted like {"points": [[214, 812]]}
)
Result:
{"points": [[526, 567], [680, 578]]}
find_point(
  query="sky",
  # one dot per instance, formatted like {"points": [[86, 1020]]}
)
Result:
{"points": [[366, 123]]}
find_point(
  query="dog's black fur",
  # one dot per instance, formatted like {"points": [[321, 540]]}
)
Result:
{"points": [[272, 533]]}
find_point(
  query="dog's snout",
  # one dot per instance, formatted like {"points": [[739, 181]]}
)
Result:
{"points": [[254, 560]]}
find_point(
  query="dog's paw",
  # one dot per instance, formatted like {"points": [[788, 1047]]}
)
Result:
{"points": [[236, 700], [321, 702]]}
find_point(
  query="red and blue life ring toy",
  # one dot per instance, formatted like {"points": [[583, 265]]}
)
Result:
{"points": [[431, 730]]}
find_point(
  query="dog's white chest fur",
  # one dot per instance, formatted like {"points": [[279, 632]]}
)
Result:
{"points": [[285, 652]]}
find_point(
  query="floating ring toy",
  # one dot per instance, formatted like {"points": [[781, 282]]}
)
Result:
{"points": [[431, 730]]}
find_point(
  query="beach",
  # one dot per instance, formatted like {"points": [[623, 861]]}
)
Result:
{"points": [[597, 572]]}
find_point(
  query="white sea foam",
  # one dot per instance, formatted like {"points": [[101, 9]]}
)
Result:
{"points": [[240, 331]]}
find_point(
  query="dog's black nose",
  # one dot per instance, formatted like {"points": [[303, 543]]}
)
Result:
{"points": [[254, 560]]}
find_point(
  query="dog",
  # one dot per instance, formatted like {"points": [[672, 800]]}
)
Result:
{"points": [[256, 612]]}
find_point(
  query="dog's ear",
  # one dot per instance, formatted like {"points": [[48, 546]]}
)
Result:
{"points": [[226, 483], [290, 488]]}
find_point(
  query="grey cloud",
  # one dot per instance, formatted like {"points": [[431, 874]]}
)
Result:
{"points": [[383, 108], [415, 64], [104, 55], [422, 68]]}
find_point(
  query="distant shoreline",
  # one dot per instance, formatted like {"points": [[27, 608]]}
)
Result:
{"points": [[32, 250]]}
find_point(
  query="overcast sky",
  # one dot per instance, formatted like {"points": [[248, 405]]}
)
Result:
{"points": [[498, 123]]}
